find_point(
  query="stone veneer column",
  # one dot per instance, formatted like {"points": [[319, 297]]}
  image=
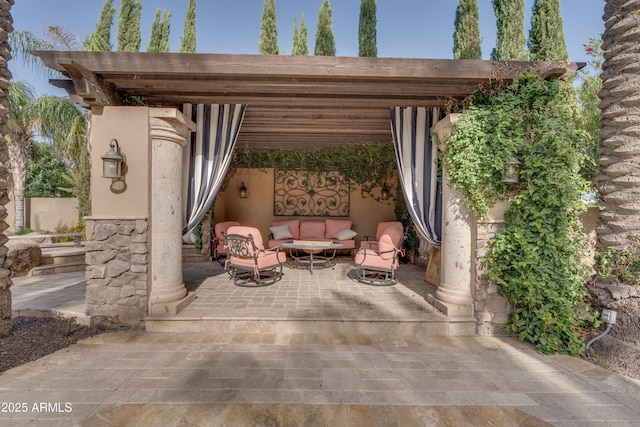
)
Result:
{"points": [[453, 296], [169, 130]]}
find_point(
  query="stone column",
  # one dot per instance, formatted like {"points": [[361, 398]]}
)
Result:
{"points": [[169, 130], [453, 296]]}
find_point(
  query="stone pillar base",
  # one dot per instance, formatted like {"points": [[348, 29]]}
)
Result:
{"points": [[449, 309], [171, 308]]}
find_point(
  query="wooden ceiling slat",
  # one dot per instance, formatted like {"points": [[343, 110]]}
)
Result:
{"points": [[293, 101]]}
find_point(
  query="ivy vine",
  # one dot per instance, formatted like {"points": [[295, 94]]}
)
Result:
{"points": [[537, 259]]}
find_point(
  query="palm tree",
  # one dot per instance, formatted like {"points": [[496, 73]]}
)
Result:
{"points": [[619, 183], [6, 321], [19, 138]]}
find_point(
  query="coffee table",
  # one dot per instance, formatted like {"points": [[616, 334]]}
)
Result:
{"points": [[312, 248]]}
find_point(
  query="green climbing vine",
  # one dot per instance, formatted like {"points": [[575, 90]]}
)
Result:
{"points": [[537, 259]]}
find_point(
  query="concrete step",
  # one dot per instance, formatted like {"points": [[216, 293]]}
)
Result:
{"points": [[189, 258], [57, 259], [42, 270], [366, 327]]}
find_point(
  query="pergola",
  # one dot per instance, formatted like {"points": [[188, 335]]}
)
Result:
{"points": [[134, 238], [293, 101]]}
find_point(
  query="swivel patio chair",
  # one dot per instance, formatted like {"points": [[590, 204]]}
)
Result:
{"points": [[248, 263], [220, 229], [378, 266]]}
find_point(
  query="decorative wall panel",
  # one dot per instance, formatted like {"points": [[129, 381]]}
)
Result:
{"points": [[300, 193]]}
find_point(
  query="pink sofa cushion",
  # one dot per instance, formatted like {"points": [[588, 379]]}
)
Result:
{"points": [[386, 247], [220, 229], [333, 226], [293, 224], [312, 230]]}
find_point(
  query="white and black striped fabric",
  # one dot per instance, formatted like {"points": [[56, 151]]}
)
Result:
{"points": [[210, 153], [417, 158]]}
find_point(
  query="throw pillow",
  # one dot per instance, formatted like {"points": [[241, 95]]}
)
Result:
{"points": [[345, 234], [281, 232]]}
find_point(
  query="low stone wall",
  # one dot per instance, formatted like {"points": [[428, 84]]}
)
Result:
{"points": [[491, 309], [117, 260]]}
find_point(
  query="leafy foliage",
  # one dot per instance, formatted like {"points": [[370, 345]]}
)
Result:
{"points": [[368, 165], [300, 43], [46, 177], [536, 259], [103, 26], [624, 265], [160, 29], [129, 26]]}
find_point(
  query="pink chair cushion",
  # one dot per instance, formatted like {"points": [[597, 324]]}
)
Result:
{"points": [[294, 226], [386, 247], [370, 259], [244, 230], [332, 226], [312, 230], [265, 259], [382, 227], [395, 231]]}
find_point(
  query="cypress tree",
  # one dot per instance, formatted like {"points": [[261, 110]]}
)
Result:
{"points": [[466, 37], [546, 37], [101, 39], [510, 41], [300, 46], [296, 37], [129, 26], [268, 44], [160, 29], [367, 32], [188, 39], [325, 42]]}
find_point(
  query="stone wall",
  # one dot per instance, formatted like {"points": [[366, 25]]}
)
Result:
{"points": [[5, 75], [491, 309], [117, 265]]}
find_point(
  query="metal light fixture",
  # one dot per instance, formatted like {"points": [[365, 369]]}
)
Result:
{"points": [[511, 173], [243, 191], [112, 161], [385, 192]]}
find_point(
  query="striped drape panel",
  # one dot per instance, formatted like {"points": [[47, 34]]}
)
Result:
{"points": [[211, 150], [417, 158]]}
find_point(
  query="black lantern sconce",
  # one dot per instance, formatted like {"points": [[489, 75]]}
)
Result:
{"points": [[112, 161], [243, 191], [511, 173], [385, 192]]}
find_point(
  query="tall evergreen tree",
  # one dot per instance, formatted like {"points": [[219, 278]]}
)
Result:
{"points": [[546, 36], [160, 29], [101, 39], [300, 46], [367, 31], [188, 39], [296, 36], [466, 37], [325, 42], [268, 44], [129, 26], [510, 41]]}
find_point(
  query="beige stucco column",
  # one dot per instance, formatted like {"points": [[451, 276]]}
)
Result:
{"points": [[453, 295], [169, 130]]}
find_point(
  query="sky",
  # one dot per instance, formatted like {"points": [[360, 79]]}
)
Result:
{"points": [[406, 28]]}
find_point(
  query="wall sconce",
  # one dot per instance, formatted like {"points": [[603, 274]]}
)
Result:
{"points": [[385, 192], [112, 161], [511, 173], [243, 191]]}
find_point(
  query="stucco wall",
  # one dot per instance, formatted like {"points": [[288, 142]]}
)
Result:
{"points": [[257, 209], [129, 197], [45, 214]]}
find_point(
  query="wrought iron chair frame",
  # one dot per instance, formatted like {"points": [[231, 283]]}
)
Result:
{"points": [[237, 245]]}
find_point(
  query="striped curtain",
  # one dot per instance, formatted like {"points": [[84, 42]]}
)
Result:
{"points": [[417, 158], [211, 150]]}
